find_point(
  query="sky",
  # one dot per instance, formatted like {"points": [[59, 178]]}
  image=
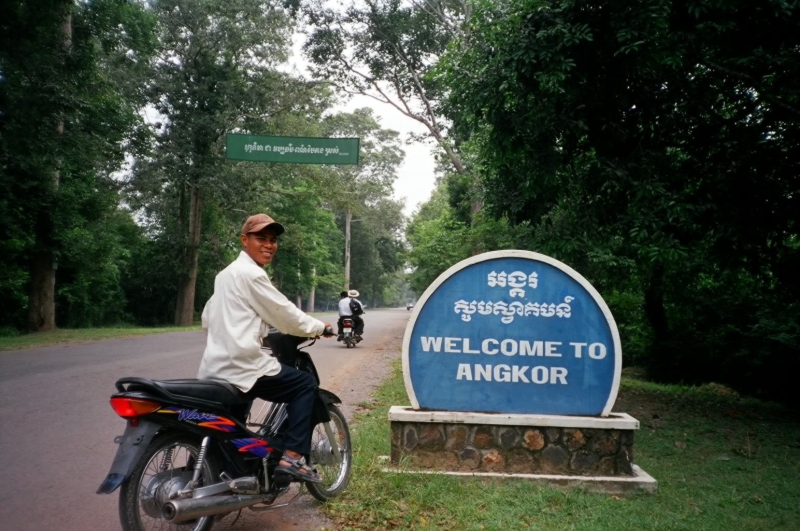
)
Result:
{"points": [[416, 177]]}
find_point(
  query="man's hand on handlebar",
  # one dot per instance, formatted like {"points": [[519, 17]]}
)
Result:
{"points": [[328, 332]]}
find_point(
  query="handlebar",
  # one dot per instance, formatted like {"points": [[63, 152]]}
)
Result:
{"points": [[281, 343]]}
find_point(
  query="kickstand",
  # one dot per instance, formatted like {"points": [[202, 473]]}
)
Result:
{"points": [[237, 518]]}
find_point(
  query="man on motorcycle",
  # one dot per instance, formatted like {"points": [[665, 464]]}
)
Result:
{"points": [[350, 306], [238, 316]]}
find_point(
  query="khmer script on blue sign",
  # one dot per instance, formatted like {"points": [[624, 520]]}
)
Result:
{"points": [[512, 332]]}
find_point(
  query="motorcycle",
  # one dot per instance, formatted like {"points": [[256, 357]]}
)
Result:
{"points": [[348, 336], [193, 452]]}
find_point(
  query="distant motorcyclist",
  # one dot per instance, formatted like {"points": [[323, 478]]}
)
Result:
{"points": [[350, 306]]}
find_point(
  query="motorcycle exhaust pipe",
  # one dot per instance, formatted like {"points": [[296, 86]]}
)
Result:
{"points": [[193, 508]]}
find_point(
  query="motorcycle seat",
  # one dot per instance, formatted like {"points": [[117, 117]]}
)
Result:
{"points": [[222, 392]]}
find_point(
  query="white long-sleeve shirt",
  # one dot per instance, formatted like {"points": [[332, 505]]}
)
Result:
{"points": [[238, 315], [344, 306]]}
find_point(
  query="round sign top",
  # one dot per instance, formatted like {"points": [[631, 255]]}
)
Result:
{"points": [[512, 332]]}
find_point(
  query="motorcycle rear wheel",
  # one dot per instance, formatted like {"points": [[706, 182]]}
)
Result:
{"points": [[166, 466], [335, 476]]}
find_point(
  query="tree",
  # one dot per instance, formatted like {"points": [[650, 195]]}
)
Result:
{"points": [[386, 50], [216, 72], [437, 240], [378, 253], [66, 116], [655, 140], [443, 232], [357, 187]]}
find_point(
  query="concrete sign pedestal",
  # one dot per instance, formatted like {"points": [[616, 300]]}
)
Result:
{"points": [[593, 452], [512, 361]]}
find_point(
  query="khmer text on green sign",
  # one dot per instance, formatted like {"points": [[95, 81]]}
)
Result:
{"points": [[292, 149]]}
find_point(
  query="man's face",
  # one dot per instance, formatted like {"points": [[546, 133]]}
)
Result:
{"points": [[261, 246]]}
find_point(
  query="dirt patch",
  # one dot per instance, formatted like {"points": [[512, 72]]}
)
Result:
{"points": [[356, 390]]}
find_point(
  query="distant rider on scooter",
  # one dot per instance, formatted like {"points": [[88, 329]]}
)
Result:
{"points": [[350, 306]]}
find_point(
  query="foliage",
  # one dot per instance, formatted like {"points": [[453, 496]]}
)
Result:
{"points": [[67, 114], [444, 231], [386, 50], [215, 72], [125, 242], [357, 187], [650, 145], [95, 260], [310, 255], [362, 192], [437, 241], [378, 254]]}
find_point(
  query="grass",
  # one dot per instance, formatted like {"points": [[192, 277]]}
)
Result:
{"points": [[11, 340], [69, 335], [722, 462]]}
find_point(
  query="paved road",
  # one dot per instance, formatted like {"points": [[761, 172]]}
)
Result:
{"points": [[57, 428]]}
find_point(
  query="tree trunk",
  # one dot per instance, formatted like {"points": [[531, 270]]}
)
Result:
{"points": [[476, 205], [42, 289], [183, 225], [347, 220], [311, 302], [656, 315], [41, 295], [184, 307]]}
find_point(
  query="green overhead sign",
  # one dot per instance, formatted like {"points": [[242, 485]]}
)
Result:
{"points": [[292, 149]]}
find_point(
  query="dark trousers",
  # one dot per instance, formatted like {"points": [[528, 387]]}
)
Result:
{"points": [[357, 320], [298, 390]]}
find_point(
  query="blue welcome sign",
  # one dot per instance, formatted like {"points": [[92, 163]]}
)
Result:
{"points": [[512, 332]]}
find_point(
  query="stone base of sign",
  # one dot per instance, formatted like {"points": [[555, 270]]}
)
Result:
{"points": [[544, 447]]}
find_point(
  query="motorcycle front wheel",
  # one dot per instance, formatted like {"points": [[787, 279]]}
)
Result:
{"points": [[165, 468], [335, 475]]}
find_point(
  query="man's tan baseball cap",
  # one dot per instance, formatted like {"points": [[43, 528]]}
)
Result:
{"points": [[260, 222]]}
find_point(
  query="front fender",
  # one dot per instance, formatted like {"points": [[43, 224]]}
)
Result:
{"points": [[321, 405], [134, 442], [329, 398]]}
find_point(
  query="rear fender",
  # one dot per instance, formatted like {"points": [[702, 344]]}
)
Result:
{"points": [[132, 445]]}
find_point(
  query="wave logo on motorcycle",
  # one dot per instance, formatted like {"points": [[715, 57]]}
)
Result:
{"points": [[193, 451], [214, 422]]}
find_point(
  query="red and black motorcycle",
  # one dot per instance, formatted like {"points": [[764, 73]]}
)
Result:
{"points": [[194, 451]]}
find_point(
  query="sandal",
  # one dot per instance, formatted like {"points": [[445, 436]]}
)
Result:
{"points": [[298, 469]]}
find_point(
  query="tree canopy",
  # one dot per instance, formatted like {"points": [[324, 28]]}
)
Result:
{"points": [[117, 202], [651, 145]]}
